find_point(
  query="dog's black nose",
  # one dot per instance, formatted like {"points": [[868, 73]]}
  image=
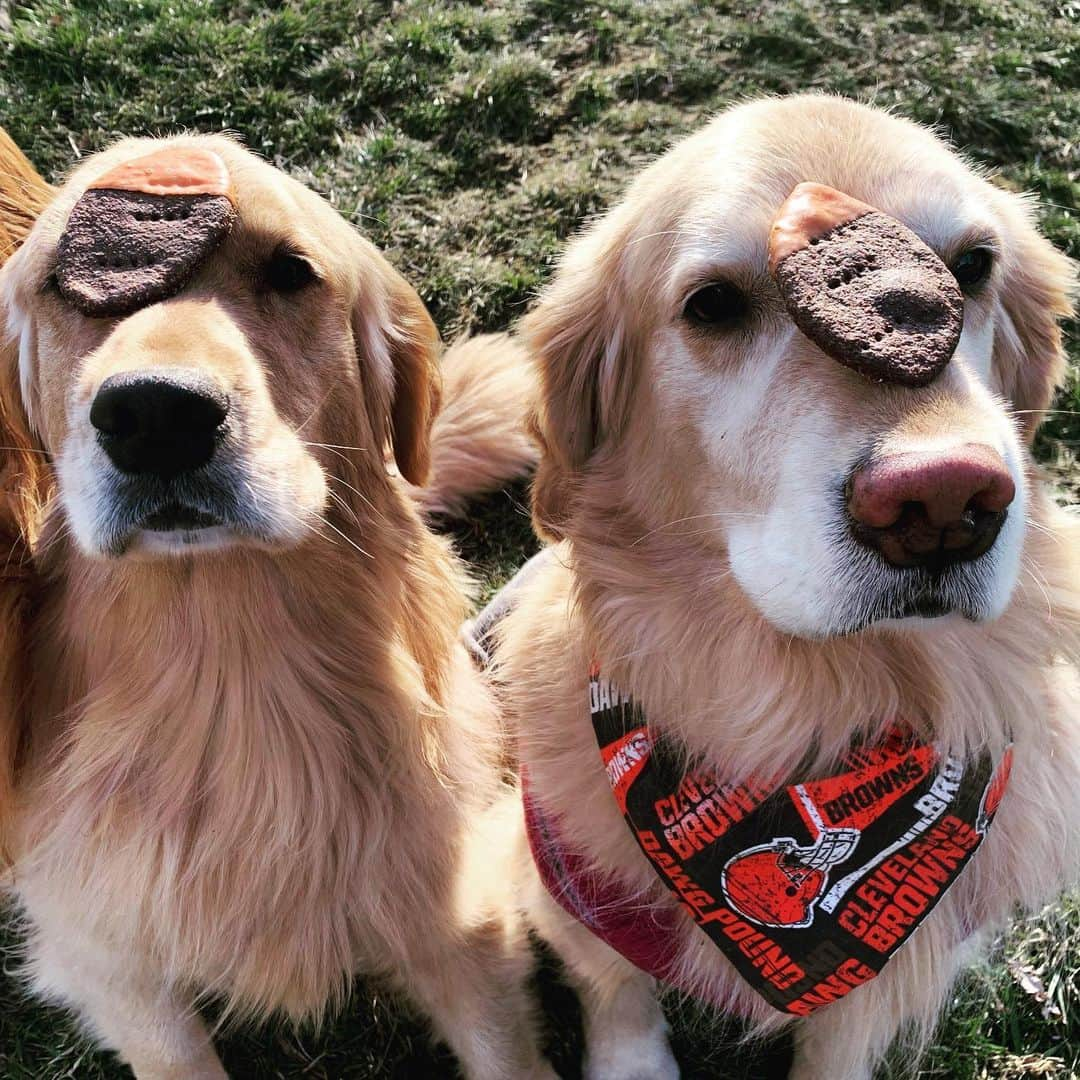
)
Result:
{"points": [[162, 422]]}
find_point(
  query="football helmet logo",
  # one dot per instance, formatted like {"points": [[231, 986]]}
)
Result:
{"points": [[778, 883]]}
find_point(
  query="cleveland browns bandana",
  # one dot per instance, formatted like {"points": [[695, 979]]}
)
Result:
{"points": [[809, 888]]}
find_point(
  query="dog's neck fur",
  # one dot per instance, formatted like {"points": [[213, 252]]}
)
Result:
{"points": [[224, 724], [707, 667]]}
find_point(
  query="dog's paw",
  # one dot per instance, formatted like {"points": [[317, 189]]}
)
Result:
{"points": [[642, 1057], [542, 1071]]}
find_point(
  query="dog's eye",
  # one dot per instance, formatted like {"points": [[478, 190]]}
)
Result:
{"points": [[719, 304], [286, 272], [971, 268]]}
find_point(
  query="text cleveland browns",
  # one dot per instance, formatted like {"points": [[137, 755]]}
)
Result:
{"points": [[890, 902], [700, 811]]}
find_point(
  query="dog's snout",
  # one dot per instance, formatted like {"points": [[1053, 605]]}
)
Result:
{"points": [[163, 422], [931, 509]]}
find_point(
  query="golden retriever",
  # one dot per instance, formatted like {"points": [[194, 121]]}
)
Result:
{"points": [[727, 501], [244, 752]]}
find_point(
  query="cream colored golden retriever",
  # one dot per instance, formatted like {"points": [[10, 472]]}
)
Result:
{"points": [[244, 753], [819, 606]]}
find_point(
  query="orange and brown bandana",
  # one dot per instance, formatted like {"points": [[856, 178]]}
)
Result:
{"points": [[807, 888]]}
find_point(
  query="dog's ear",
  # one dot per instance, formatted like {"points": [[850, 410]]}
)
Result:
{"points": [[25, 479], [580, 335], [1029, 355], [400, 350], [25, 473], [23, 195]]}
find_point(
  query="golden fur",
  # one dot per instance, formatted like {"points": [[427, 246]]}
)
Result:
{"points": [[681, 469], [24, 483], [480, 438], [255, 769], [23, 195]]}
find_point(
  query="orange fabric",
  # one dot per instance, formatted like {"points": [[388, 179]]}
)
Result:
{"points": [[173, 171]]}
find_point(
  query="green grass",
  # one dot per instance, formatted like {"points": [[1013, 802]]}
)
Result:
{"points": [[469, 140]]}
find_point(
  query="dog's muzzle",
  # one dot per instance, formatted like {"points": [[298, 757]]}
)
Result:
{"points": [[163, 430]]}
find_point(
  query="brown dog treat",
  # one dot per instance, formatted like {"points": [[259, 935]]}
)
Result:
{"points": [[176, 170], [809, 213], [864, 287], [140, 232]]}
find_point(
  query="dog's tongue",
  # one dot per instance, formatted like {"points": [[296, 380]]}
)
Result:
{"points": [[863, 287], [175, 170]]}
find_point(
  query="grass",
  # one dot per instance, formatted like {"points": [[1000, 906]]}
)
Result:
{"points": [[468, 140]]}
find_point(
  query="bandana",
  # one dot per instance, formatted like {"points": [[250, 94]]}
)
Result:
{"points": [[808, 889]]}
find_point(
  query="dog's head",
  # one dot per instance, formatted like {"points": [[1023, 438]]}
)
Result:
{"points": [[846, 484], [200, 345]]}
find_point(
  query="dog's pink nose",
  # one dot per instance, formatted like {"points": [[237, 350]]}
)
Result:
{"points": [[931, 508]]}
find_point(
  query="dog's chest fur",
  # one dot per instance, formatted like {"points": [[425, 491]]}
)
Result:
{"points": [[252, 780], [727, 695]]}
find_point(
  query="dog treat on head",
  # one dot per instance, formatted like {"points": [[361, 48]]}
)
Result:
{"points": [[140, 232], [864, 287]]}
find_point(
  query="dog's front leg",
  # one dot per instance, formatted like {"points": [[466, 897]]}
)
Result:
{"points": [[469, 966], [828, 1048], [476, 993], [625, 1029], [125, 1003]]}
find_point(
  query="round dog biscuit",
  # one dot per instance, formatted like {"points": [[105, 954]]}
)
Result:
{"points": [[864, 287], [138, 234]]}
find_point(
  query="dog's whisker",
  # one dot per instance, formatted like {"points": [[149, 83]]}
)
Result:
{"points": [[359, 494], [1042, 529], [662, 232], [1030, 572], [1045, 412], [314, 412], [694, 517], [344, 536], [335, 446], [333, 450], [344, 506]]}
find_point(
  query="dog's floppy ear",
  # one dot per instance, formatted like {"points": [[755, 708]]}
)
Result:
{"points": [[1029, 356], [400, 350], [23, 195], [25, 474], [25, 479], [580, 336]]}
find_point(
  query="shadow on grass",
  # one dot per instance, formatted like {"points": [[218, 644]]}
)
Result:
{"points": [[376, 1037]]}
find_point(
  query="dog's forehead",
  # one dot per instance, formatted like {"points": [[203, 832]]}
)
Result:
{"points": [[748, 161], [726, 225]]}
